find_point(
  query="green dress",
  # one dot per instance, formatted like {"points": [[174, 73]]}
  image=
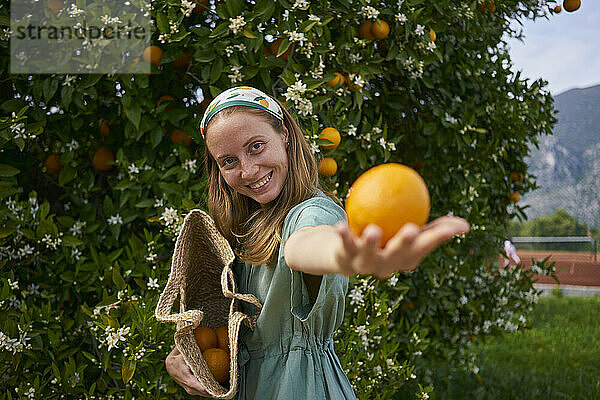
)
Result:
{"points": [[290, 354]]}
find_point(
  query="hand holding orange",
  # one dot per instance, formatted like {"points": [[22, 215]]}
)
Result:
{"points": [[387, 208]]}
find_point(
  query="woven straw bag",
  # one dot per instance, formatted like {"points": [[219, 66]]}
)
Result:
{"points": [[201, 275]]}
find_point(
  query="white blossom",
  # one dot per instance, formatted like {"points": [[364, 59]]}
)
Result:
{"points": [[73, 145], [369, 12], [237, 24], [351, 130], [115, 219], [169, 216], [190, 165], [152, 283], [401, 18], [301, 4], [133, 169], [419, 30], [236, 75]]}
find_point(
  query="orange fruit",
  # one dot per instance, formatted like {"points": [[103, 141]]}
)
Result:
{"points": [[516, 176], [514, 197], [201, 5], [557, 9], [205, 338], [52, 164], [333, 136], [179, 135], [218, 363], [364, 30], [337, 80], [152, 55], [55, 6], [101, 158], [104, 129], [571, 5], [491, 7], [275, 49], [389, 196], [327, 166], [380, 29], [222, 338], [184, 59], [165, 97], [432, 34]]}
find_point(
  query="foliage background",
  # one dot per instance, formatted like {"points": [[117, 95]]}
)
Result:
{"points": [[84, 253]]}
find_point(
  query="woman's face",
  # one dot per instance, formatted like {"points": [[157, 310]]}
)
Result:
{"points": [[251, 155]]}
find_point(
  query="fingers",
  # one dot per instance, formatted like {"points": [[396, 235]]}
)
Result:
{"points": [[438, 233], [348, 238], [404, 238], [448, 219]]}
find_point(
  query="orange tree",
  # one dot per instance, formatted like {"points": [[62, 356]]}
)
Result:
{"points": [[97, 171]]}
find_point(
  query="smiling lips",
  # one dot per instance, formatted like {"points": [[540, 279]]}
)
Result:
{"points": [[261, 183]]}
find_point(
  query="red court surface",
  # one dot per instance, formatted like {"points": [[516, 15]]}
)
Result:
{"points": [[572, 268]]}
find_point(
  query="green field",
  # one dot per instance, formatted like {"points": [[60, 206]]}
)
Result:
{"points": [[559, 358]]}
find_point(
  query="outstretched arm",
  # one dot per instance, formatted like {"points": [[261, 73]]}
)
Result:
{"points": [[327, 249]]}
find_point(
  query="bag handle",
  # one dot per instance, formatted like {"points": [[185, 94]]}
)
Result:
{"points": [[226, 278], [171, 290]]}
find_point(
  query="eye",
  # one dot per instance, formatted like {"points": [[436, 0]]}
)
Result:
{"points": [[254, 145], [225, 163]]}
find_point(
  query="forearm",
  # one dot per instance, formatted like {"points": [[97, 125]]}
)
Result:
{"points": [[313, 250]]}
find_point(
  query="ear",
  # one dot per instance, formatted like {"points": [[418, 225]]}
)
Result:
{"points": [[286, 134]]}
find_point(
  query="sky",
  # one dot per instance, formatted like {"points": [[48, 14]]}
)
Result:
{"points": [[563, 50]]}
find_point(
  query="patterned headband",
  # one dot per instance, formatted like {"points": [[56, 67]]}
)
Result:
{"points": [[240, 96]]}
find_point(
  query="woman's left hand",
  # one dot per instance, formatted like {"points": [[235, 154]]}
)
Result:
{"points": [[403, 252]]}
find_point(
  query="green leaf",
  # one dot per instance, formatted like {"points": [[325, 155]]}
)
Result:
{"points": [[216, 69], [71, 241], [283, 47], [221, 29], [162, 22], [8, 170], [188, 204], [144, 203], [66, 175], [117, 278], [249, 34], [90, 80], [66, 93], [133, 113], [205, 56], [307, 25], [49, 88], [7, 230], [264, 9], [128, 369]]}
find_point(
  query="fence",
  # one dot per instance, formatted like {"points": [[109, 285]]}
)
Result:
{"points": [[546, 242]]}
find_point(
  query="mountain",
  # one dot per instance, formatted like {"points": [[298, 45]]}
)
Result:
{"points": [[567, 164]]}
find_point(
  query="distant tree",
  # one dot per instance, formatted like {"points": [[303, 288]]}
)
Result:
{"points": [[561, 223]]}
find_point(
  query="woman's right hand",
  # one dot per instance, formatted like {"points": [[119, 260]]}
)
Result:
{"points": [[182, 374]]}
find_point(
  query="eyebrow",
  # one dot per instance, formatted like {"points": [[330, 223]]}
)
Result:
{"points": [[245, 144]]}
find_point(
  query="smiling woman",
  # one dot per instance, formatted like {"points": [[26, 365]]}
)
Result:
{"points": [[294, 251], [250, 153]]}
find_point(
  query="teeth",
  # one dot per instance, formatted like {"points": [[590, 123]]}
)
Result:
{"points": [[261, 184]]}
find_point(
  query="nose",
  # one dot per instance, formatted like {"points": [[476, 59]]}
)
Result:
{"points": [[249, 171]]}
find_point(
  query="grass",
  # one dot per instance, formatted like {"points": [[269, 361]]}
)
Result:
{"points": [[559, 358]]}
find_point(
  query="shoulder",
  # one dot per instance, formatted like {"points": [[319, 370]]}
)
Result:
{"points": [[318, 210]]}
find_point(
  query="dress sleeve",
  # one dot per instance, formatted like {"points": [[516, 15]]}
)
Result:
{"points": [[332, 291]]}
